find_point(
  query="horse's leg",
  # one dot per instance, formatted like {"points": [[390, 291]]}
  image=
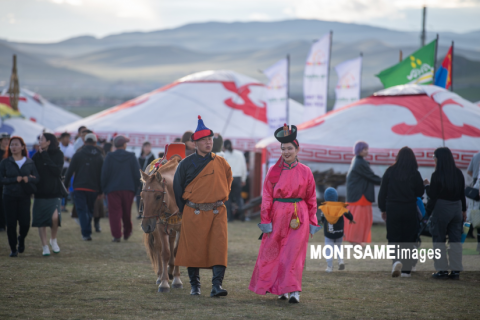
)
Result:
{"points": [[165, 257], [158, 252], [171, 262], [177, 283]]}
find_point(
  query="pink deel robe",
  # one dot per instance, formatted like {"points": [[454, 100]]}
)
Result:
{"points": [[282, 253]]}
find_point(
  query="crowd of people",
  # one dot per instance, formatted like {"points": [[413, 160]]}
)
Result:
{"points": [[97, 174]]}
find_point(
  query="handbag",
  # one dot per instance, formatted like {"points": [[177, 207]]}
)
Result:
{"points": [[472, 193], [63, 190], [475, 218]]}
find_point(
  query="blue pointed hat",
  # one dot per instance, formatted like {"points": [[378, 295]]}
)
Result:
{"points": [[201, 131]]}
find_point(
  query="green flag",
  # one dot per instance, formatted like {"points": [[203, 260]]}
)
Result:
{"points": [[416, 68]]}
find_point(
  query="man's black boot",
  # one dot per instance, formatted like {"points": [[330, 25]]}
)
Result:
{"points": [[194, 274], [442, 275], [217, 279]]}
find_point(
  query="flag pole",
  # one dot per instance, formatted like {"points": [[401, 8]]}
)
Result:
{"points": [[401, 56], [288, 88], [360, 80], [328, 70], [451, 76], [435, 61]]}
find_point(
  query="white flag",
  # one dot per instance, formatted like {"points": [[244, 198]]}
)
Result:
{"points": [[349, 81], [277, 94], [315, 79]]}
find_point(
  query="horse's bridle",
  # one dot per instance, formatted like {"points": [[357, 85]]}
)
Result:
{"points": [[164, 205]]}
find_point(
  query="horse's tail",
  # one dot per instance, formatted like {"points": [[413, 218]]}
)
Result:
{"points": [[149, 242]]}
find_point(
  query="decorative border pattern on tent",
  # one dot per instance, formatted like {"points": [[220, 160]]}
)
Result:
{"points": [[328, 154]]}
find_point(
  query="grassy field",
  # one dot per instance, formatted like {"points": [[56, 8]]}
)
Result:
{"points": [[105, 280]]}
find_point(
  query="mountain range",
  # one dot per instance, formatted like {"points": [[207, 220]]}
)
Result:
{"points": [[89, 66]]}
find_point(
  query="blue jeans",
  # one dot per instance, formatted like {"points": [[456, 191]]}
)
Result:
{"points": [[333, 243], [84, 203]]}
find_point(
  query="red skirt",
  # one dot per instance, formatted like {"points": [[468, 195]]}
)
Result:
{"points": [[361, 232]]}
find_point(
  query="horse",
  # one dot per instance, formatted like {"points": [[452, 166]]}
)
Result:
{"points": [[160, 208]]}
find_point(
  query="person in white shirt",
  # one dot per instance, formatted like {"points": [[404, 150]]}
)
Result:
{"points": [[236, 160], [68, 151], [82, 131]]}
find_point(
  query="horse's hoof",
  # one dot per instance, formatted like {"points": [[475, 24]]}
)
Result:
{"points": [[170, 276], [177, 286], [163, 290], [159, 281]]}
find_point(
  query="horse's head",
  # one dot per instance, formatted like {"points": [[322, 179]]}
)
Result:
{"points": [[154, 195]]}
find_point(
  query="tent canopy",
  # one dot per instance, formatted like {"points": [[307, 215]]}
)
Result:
{"points": [[230, 103], [37, 109], [420, 117], [28, 130]]}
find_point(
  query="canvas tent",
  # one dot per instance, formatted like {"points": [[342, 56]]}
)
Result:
{"points": [[29, 131], [230, 103], [35, 108], [421, 117]]}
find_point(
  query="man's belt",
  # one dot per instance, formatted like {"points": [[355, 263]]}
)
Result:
{"points": [[205, 206]]}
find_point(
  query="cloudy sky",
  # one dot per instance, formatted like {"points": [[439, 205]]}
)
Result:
{"points": [[54, 20]]}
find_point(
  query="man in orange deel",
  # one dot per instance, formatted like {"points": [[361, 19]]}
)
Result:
{"points": [[332, 219], [202, 184]]}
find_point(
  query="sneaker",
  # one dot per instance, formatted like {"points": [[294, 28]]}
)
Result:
{"points": [[14, 254], [283, 296], [405, 275], [341, 265], [54, 245], [116, 240], [396, 269], [46, 251], [329, 269], [89, 238], [294, 297], [454, 275]]}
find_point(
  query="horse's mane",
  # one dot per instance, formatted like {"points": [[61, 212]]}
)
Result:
{"points": [[169, 166]]}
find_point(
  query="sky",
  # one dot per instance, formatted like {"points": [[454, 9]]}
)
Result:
{"points": [[56, 20]]}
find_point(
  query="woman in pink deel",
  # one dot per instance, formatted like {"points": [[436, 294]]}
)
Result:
{"points": [[288, 215]]}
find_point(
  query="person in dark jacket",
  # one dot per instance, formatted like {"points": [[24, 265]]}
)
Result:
{"points": [[48, 198], [401, 185], [361, 183], [87, 165], [146, 157], [333, 224], [4, 140], [120, 180], [447, 208], [18, 176]]}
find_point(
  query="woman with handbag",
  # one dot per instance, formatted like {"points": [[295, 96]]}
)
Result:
{"points": [[18, 176], [288, 215], [447, 206], [50, 190]]}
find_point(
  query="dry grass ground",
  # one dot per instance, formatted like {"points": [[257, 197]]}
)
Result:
{"points": [[105, 280]]}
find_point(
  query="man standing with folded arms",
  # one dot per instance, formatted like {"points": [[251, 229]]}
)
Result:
{"points": [[120, 180], [202, 185]]}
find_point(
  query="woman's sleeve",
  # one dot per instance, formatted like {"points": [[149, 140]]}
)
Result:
{"points": [[55, 165], [432, 194], [382, 195], [364, 170], [6, 180], [418, 186], [267, 201], [462, 191], [311, 200], [34, 173]]}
